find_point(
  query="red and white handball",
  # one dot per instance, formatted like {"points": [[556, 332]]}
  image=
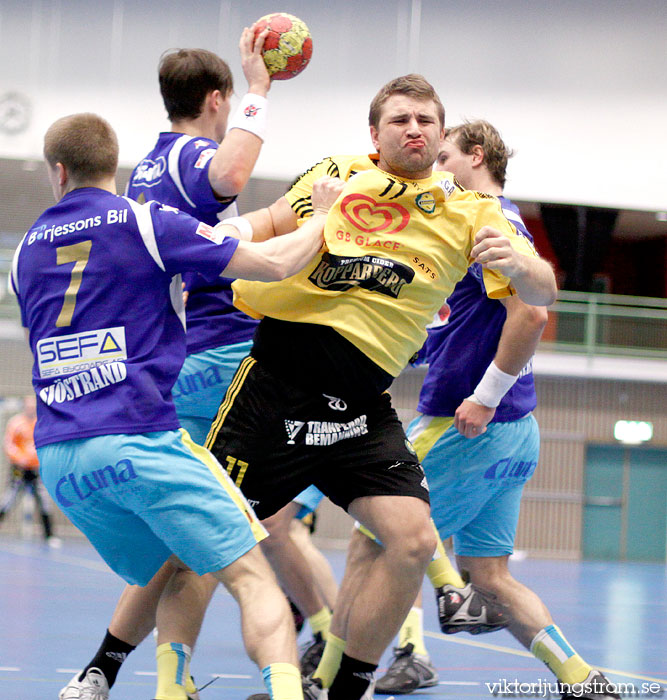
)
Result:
{"points": [[288, 46]]}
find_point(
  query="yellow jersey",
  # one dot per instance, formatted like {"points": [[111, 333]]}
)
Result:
{"points": [[394, 250]]}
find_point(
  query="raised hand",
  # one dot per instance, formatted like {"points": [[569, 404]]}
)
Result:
{"points": [[252, 61]]}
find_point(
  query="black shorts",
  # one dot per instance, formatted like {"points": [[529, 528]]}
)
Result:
{"points": [[275, 440]]}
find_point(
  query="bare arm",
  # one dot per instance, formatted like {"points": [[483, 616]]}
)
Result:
{"points": [[520, 336], [236, 156], [276, 220], [279, 257], [518, 341], [532, 277]]}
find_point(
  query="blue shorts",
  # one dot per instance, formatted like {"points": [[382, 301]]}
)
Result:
{"points": [[202, 384], [308, 499], [140, 498], [476, 484]]}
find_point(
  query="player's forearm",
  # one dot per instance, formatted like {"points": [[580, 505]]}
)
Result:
{"points": [[263, 224], [235, 158], [276, 220], [535, 281], [520, 335], [233, 162], [277, 258], [294, 251]]}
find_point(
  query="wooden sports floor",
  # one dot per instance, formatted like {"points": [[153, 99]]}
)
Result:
{"points": [[55, 605]]}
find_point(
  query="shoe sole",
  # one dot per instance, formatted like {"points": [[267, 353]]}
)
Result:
{"points": [[473, 627], [429, 683], [397, 691]]}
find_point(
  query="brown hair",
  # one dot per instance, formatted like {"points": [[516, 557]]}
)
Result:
{"points": [[85, 144], [413, 85], [481, 133], [187, 76]]}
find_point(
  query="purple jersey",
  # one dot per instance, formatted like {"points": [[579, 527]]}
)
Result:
{"points": [[98, 282], [459, 351], [175, 172]]}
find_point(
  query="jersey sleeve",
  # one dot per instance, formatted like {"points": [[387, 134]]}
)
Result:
{"points": [[300, 193], [180, 243], [13, 283], [490, 213], [194, 162]]}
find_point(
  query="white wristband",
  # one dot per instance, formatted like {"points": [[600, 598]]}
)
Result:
{"points": [[250, 115], [243, 226], [493, 386]]}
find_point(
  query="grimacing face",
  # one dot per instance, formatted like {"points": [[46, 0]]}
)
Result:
{"points": [[408, 136]]}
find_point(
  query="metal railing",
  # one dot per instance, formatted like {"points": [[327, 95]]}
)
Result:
{"points": [[579, 322], [607, 324]]}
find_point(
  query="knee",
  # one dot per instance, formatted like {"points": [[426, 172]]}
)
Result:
{"points": [[416, 545], [426, 543]]}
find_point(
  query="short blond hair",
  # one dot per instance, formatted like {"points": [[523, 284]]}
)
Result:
{"points": [[85, 144], [413, 85], [482, 133]]}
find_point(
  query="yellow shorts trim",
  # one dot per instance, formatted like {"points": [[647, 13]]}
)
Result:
{"points": [[203, 455], [232, 392], [427, 431]]}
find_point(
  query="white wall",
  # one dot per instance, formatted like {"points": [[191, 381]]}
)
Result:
{"points": [[577, 87]]}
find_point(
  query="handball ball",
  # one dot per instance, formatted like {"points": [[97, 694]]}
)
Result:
{"points": [[288, 45]]}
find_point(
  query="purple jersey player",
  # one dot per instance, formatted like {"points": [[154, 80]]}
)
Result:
{"points": [[97, 279]]}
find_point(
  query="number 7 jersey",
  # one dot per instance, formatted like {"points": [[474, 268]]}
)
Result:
{"points": [[98, 282]]}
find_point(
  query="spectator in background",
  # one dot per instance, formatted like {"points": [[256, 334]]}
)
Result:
{"points": [[24, 467]]}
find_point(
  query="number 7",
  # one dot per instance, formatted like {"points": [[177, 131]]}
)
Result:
{"points": [[77, 254]]}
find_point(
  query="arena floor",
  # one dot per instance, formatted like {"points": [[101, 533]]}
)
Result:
{"points": [[55, 605]]}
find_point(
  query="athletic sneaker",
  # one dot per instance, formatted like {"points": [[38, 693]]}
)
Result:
{"points": [[312, 690], [94, 686], [595, 687], [407, 672], [469, 609], [311, 655]]}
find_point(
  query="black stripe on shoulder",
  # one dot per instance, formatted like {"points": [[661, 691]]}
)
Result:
{"points": [[333, 170], [305, 172], [303, 207]]}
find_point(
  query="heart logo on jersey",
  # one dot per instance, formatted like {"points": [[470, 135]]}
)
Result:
{"points": [[370, 216]]}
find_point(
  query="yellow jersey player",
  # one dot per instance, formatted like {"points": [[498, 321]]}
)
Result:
{"points": [[309, 405]]}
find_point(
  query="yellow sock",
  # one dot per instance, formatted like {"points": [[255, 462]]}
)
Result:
{"points": [[551, 647], [320, 622], [440, 571], [412, 632], [173, 671], [283, 681], [330, 661], [190, 687]]}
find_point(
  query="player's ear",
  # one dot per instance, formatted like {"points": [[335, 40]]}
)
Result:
{"points": [[477, 155], [214, 100], [374, 138], [62, 174], [58, 177]]}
